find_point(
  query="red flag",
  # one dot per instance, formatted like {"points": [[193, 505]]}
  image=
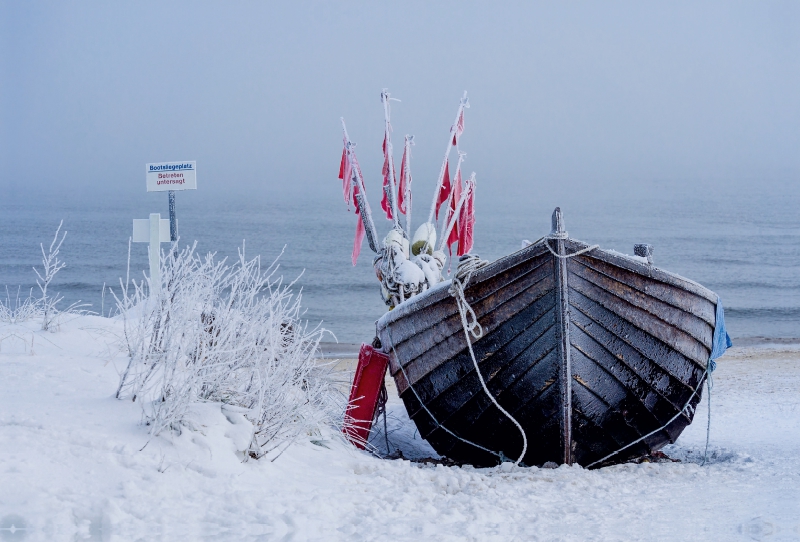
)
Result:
{"points": [[451, 212], [404, 183], [444, 193], [359, 240], [346, 174], [342, 163], [458, 129], [385, 203], [466, 221]]}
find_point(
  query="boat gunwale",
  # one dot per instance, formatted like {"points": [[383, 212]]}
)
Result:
{"points": [[440, 291]]}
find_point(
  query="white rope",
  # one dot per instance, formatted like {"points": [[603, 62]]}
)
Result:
{"points": [[564, 256], [466, 267], [425, 407], [687, 410], [709, 385]]}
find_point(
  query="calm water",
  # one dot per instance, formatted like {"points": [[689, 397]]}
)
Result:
{"points": [[745, 245]]}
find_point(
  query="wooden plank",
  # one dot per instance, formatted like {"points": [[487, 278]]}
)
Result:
{"points": [[421, 362], [621, 400], [457, 382], [412, 337], [652, 325], [424, 301], [530, 388], [505, 366], [673, 362], [699, 329], [499, 434], [668, 293], [624, 358], [614, 431], [641, 268]]}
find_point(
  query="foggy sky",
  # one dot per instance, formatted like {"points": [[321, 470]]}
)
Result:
{"points": [[578, 94]]}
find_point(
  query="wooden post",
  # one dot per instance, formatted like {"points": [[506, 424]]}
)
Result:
{"points": [[562, 321], [173, 220], [154, 253], [154, 231]]}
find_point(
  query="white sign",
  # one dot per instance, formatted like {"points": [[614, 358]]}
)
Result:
{"points": [[164, 176]]}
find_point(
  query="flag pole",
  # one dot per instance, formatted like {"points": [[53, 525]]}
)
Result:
{"points": [[405, 176], [461, 106], [361, 198], [387, 134]]}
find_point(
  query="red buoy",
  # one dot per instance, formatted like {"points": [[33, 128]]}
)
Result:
{"points": [[364, 393]]}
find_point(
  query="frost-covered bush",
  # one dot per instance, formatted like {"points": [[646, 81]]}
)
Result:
{"points": [[230, 334], [20, 309], [44, 307]]}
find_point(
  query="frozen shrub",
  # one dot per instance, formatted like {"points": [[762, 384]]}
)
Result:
{"points": [[44, 307], [230, 334]]}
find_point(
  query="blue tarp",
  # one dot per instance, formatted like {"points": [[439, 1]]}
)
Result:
{"points": [[722, 341]]}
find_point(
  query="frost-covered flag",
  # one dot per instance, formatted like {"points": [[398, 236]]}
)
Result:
{"points": [[444, 192], [405, 183], [350, 190], [361, 231], [346, 175], [466, 220], [451, 213], [385, 203], [458, 129]]}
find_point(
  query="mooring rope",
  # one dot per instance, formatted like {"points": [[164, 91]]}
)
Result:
{"points": [[425, 407], [468, 264], [565, 256], [709, 384], [687, 410]]}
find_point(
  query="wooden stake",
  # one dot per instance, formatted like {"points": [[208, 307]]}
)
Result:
{"points": [[562, 321]]}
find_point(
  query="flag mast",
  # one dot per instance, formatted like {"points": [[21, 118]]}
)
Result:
{"points": [[362, 204], [464, 104], [392, 188], [405, 179]]}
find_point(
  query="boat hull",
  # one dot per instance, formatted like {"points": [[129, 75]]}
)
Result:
{"points": [[588, 353]]}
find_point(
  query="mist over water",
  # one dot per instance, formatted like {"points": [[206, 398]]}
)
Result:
{"points": [[674, 124], [742, 243]]}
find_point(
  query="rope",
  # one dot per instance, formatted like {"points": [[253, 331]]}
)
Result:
{"points": [[380, 409], [467, 265], [687, 409], [555, 236], [438, 425], [564, 256], [709, 385]]}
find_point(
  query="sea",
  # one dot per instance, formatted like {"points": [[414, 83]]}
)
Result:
{"points": [[742, 242]]}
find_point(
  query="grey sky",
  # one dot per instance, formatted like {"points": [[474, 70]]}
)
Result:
{"points": [[577, 94]]}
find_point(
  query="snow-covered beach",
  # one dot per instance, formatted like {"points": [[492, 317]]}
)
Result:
{"points": [[77, 463]]}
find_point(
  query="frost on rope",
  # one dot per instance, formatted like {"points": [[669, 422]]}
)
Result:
{"points": [[229, 334]]}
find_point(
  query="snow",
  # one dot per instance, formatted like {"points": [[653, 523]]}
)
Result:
{"points": [[75, 463]]}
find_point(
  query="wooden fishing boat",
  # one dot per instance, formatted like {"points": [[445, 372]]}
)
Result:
{"points": [[589, 350]]}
